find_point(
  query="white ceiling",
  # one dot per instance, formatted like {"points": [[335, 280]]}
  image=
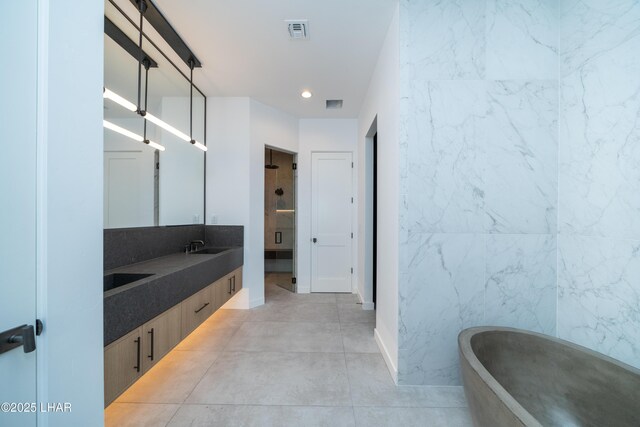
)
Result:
{"points": [[245, 49]]}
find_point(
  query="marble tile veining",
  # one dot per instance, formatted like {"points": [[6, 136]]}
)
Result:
{"points": [[445, 186], [442, 294], [479, 153], [521, 157], [599, 295], [520, 287], [522, 39], [451, 35], [599, 132]]}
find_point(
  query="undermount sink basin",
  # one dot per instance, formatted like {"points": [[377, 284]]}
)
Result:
{"points": [[209, 251], [115, 280]]}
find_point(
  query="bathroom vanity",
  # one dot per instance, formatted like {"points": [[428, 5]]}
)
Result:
{"points": [[153, 304]]}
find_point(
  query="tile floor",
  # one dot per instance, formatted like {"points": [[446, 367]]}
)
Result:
{"points": [[299, 360]]}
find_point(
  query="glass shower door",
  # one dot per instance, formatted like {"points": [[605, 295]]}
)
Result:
{"points": [[280, 220]]}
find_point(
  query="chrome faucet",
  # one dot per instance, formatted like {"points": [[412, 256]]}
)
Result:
{"points": [[193, 246]]}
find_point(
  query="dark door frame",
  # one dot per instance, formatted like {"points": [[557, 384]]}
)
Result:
{"points": [[374, 276]]}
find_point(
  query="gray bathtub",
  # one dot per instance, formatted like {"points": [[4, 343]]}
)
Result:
{"points": [[519, 378]]}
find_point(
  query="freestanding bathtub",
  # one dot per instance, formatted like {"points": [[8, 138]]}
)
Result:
{"points": [[514, 378]]}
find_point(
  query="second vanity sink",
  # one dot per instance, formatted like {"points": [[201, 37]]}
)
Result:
{"points": [[115, 280], [209, 251]]}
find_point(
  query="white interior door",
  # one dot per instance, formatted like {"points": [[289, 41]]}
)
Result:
{"points": [[331, 205], [18, 50]]}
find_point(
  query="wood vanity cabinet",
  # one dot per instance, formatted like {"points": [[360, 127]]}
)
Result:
{"points": [[122, 364], [127, 358], [235, 278], [160, 335], [227, 287], [196, 309], [219, 290]]}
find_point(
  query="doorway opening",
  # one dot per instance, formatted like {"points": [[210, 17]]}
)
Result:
{"points": [[374, 270], [370, 295], [279, 220]]}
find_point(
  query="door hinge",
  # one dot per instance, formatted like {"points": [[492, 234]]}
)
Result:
{"points": [[294, 166], [351, 270], [352, 200], [351, 165], [352, 235], [39, 327], [293, 280]]}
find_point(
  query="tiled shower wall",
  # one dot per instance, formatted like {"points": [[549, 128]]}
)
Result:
{"points": [[520, 182], [479, 139], [599, 221], [278, 209]]}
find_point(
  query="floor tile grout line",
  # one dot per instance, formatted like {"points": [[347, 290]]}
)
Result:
{"points": [[342, 328], [174, 415], [299, 405], [346, 365], [220, 354]]}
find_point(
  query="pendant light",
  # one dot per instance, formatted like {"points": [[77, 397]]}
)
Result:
{"points": [[142, 7], [109, 94], [192, 64], [129, 134]]}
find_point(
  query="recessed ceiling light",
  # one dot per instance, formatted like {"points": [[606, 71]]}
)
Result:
{"points": [[306, 94]]}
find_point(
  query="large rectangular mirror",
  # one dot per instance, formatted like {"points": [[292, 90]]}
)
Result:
{"points": [[144, 186]]}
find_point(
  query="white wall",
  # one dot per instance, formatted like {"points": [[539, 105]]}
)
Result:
{"points": [[320, 135], [70, 366], [273, 128], [227, 168], [269, 127], [238, 130], [382, 102], [227, 177]]}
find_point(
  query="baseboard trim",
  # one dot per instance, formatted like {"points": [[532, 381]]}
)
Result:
{"points": [[239, 301], [256, 302], [365, 305], [386, 356], [368, 306]]}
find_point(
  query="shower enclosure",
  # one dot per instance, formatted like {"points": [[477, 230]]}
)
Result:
{"points": [[279, 220]]}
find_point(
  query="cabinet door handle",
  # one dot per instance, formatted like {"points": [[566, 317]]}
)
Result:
{"points": [[202, 308], [137, 367], [229, 284], [234, 283], [152, 335]]}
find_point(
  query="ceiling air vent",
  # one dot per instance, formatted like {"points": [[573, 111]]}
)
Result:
{"points": [[334, 104], [298, 29]]}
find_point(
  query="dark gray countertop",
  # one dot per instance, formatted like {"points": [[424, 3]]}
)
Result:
{"points": [[175, 278]]}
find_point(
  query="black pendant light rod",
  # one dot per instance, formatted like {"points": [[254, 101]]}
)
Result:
{"points": [[168, 33], [146, 64], [128, 45], [192, 65], [152, 43], [142, 7]]}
